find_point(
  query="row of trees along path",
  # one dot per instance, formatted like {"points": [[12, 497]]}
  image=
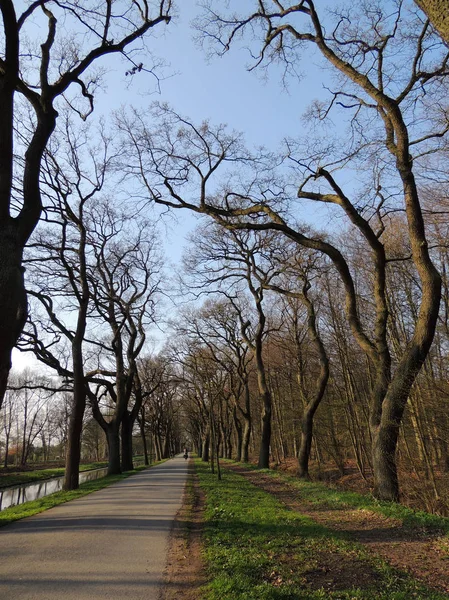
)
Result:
{"points": [[258, 197]]}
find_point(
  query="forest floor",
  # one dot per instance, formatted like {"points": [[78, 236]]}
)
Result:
{"points": [[414, 544]]}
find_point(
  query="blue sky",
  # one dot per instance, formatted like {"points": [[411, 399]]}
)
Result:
{"points": [[220, 89]]}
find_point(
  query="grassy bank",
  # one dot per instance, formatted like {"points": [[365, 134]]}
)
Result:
{"points": [[257, 549], [15, 513], [333, 498], [10, 477]]}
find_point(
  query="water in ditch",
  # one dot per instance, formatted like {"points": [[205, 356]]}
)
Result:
{"points": [[19, 494]]}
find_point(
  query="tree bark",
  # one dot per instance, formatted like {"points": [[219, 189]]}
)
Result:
{"points": [[206, 444], [312, 406], [127, 442], [73, 449], [246, 439], [113, 439], [239, 434], [143, 435], [13, 300], [265, 440], [438, 13]]}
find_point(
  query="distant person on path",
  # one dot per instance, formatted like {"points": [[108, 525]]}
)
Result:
{"points": [[186, 453]]}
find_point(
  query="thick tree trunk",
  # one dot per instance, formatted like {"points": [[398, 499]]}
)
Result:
{"points": [[205, 452], [73, 450], [5, 367], [386, 484], [113, 439], [13, 301], [75, 429], [246, 439], [143, 436], [305, 445], [127, 442], [239, 435], [158, 446], [438, 13], [166, 451], [264, 452]]}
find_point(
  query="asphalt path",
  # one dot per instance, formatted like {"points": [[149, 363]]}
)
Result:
{"points": [[111, 544]]}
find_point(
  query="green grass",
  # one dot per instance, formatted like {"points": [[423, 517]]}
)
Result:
{"points": [[257, 549], [334, 498], [15, 513]]}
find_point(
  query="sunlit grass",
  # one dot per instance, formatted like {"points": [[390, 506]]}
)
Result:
{"points": [[257, 549], [333, 498]]}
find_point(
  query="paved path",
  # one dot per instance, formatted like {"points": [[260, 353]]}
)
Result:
{"points": [[111, 544]]}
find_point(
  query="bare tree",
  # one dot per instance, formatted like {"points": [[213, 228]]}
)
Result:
{"points": [[229, 260], [73, 37], [125, 281], [9, 417], [151, 374], [58, 262], [102, 273], [374, 89], [294, 274]]}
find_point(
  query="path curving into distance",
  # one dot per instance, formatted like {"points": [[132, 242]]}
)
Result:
{"points": [[111, 544]]}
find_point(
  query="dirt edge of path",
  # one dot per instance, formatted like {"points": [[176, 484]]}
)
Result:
{"points": [[185, 574]]}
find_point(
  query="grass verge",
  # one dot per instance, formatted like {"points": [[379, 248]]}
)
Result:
{"points": [[15, 513], [333, 498], [257, 549]]}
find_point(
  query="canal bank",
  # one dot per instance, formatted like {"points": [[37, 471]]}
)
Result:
{"points": [[19, 494]]}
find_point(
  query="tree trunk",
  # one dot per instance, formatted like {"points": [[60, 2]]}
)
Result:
{"points": [[386, 484], [305, 445], [312, 406], [73, 450], [113, 439], [13, 300], [438, 13], [5, 462], [205, 452], [247, 427], [127, 442], [158, 446], [143, 436], [166, 451], [264, 452], [239, 435]]}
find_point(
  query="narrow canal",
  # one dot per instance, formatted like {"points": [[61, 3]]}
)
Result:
{"points": [[12, 496]]}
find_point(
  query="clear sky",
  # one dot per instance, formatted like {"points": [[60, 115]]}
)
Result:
{"points": [[220, 89]]}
